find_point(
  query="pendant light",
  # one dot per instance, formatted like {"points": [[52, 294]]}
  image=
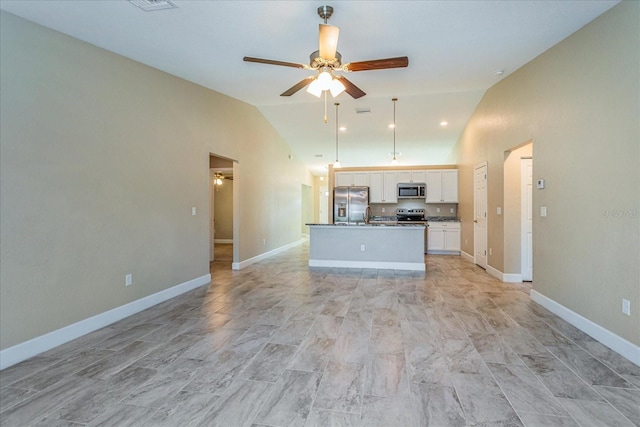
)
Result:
{"points": [[394, 161], [336, 164]]}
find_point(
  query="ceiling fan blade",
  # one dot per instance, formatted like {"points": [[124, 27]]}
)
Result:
{"points": [[378, 64], [272, 62], [293, 89], [328, 41], [350, 88]]}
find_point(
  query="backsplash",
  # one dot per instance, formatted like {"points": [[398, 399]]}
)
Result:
{"points": [[431, 209]]}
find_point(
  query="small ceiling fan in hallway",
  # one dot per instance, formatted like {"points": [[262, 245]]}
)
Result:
{"points": [[326, 61]]}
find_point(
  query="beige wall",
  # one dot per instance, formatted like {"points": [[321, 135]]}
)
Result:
{"points": [[579, 104], [102, 160]]}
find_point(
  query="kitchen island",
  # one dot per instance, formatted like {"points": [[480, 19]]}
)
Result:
{"points": [[396, 247]]}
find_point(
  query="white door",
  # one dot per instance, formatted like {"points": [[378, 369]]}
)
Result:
{"points": [[480, 215], [324, 205], [526, 192]]}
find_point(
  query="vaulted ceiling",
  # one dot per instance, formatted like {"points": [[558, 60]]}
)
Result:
{"points": [[455, 49]]}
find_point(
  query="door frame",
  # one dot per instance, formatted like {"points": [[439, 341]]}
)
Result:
{"points": [[526, 218]]}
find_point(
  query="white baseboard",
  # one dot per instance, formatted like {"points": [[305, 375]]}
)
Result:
{"points": [[19, 352], [606, 337], [415, 266], [222, 240], [247, 262], [504, 277], [467, 257]]}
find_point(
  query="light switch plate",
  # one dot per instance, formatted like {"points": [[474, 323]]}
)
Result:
{"points": [[499, 210], [540, 184], [543, 211]]}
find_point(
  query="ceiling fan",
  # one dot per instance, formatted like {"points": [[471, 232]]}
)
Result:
{"points": [[326, 60]]}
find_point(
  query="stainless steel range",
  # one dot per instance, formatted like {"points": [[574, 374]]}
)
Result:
{"points": [[410, 216]]}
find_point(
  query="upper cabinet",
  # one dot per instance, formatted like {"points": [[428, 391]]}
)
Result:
{"points": [[383, 187], [442, 186], [350, 179], [412, 176]]}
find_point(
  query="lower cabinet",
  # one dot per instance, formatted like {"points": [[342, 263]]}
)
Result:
{"points": [[443, 237]]}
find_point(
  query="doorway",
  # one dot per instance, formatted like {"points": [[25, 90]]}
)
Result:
{"points": [[480, 215], [221, 223], [306, 208], [323, 205]]}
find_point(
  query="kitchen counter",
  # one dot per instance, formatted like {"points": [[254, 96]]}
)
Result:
{"points": [[379, 246]]}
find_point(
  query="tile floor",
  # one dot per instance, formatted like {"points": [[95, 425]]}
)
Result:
{"points": [[279, 344]]}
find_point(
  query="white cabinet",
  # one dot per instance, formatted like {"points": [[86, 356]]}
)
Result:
{"points": [[443, 237], [442, 186], [383, 187], [412, 176], [349, 179]]}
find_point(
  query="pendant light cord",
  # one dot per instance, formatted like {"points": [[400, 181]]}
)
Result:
{"points": [[394, 129]]}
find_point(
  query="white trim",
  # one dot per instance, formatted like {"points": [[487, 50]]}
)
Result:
{"points": [[19, 352], [247, 262], [415, 266], [606, 337], [222, 240], [435, 252], [467, 257], [512, 277]]}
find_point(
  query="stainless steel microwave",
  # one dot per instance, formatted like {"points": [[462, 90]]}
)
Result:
{"points": [[412, 190]]}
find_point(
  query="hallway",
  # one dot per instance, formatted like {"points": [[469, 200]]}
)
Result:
{"points": [[280, 344]]}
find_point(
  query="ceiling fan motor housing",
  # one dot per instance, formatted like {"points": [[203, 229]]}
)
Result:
{"points": [[325, 12]]}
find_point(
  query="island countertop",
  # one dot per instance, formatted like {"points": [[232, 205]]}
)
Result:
{"points": [[379, 246]]}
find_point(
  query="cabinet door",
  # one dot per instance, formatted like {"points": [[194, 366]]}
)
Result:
{"points": [[403, 176], [452, 239], [450, 186], [361, 179], [435, 239], [390, 187], [376, 187], [344, 179], [419, 176], [434, 186]]}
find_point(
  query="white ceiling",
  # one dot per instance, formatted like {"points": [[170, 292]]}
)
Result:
{"points": [[454, 49]]}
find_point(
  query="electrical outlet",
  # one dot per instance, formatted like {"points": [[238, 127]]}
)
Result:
{"points": [[437, 209], [451, 210], [264, 241], [362, 248], [193, 210], [383, 210], [128, 280], [466, 241], [490, 251], [626, 307], [499, 210], [543, 211]]}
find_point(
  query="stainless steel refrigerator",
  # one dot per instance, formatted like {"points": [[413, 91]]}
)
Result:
{"points": [[350, 204]]}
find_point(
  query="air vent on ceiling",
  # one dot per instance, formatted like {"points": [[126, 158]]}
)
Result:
{"points": [[363, 110], [151, 5], [318, 155]]}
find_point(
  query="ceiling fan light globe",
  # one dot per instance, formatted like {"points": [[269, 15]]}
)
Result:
{"points": [[336, 87], [315, 88], [336, 165], [324, 78]]}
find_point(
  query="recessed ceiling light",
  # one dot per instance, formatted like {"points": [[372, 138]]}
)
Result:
{"points": [[444, 123], [343, 128], [392, 125], [151, 5], [499, 72]]}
